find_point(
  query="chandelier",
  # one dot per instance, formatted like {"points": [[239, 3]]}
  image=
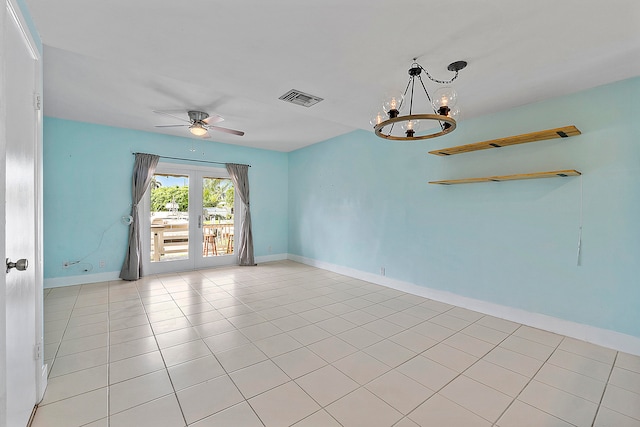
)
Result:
{"points": [[392, 125]]}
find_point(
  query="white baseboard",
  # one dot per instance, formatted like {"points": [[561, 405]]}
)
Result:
{"points": [[603, 337], [272, 257], [81, 279], [57, 282]]}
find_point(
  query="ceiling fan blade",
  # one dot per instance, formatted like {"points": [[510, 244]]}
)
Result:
{"points": [[171, 115], [171, 126], [213, 119], [231, 131]]}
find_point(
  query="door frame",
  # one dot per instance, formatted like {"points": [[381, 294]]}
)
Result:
{"points": [[3, 176], [196, 260]]}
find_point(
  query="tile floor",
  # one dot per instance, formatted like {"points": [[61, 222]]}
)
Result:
{"points": [[285, 344]]}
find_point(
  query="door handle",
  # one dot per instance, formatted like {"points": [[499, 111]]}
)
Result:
{"points": [[20, 265]]}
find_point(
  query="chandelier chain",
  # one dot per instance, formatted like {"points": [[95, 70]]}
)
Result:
{"points": [[444, 82]]}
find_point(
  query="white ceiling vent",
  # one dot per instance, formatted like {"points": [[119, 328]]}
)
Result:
{"points": [[300, 98]]}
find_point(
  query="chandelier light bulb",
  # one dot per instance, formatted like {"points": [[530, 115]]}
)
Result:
{"points": [[410, 127], [444, 97], [378, 118], [393, 104], [454, 112], [411, 124], [449, 112]]}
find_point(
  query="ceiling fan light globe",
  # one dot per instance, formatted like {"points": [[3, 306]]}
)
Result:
{"points": [[197, 130]]}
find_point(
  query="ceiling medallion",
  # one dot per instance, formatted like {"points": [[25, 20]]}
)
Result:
{"points": [[443, 103]]}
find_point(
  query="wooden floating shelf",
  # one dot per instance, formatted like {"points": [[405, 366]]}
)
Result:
{"points": [[535, 175], [563, 132]]}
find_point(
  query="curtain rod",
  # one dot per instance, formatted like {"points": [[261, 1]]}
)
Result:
{"points": [[188, 160]]}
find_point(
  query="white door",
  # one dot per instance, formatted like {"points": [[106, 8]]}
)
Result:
{"points": [[182, 230], [21, 298]]}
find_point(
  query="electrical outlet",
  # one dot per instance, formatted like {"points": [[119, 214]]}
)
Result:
{"points": [[102, 263], [382, 271], [269, 249]]}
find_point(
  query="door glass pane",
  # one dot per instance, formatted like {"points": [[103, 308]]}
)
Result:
{"points": [[169, 217], [217, 213]]}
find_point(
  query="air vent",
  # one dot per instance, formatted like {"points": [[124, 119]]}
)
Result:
{"points": [[300, 98]]}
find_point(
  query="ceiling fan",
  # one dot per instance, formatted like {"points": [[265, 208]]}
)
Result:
{"points": [[199, 123]]}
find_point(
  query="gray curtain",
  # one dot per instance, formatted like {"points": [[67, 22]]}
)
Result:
{"points": [[240, 177], [143, 170]]}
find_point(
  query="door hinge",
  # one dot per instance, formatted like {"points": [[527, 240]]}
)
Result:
{"points": [[37, 351], [37, 101]]}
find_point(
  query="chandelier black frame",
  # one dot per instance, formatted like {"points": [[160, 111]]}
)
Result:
{"points": [[442, 114]]}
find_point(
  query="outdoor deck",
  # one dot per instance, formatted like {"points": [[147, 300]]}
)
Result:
{"points": [[170, 239]]}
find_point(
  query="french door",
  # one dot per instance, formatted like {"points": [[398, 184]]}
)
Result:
{"points": [[189, 219]]}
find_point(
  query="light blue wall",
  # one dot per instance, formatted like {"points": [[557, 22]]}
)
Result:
{"points": [[87, 189], [362, 202]]}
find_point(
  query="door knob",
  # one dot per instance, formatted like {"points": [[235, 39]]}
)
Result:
{"points": [[20, 265]]}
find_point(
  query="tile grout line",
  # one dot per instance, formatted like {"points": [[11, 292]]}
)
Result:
{"points": [[223, 368], [319, 410], [335, 336], [166, 368], [406, 416], [65, 330], [529, 382], [604, 390], [461, 373], [71, 311], [138, 376], [55, 356], [246, 400], [272, 361]]}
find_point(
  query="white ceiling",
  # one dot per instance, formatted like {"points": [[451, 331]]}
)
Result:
{"points": [[114, 62]]}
